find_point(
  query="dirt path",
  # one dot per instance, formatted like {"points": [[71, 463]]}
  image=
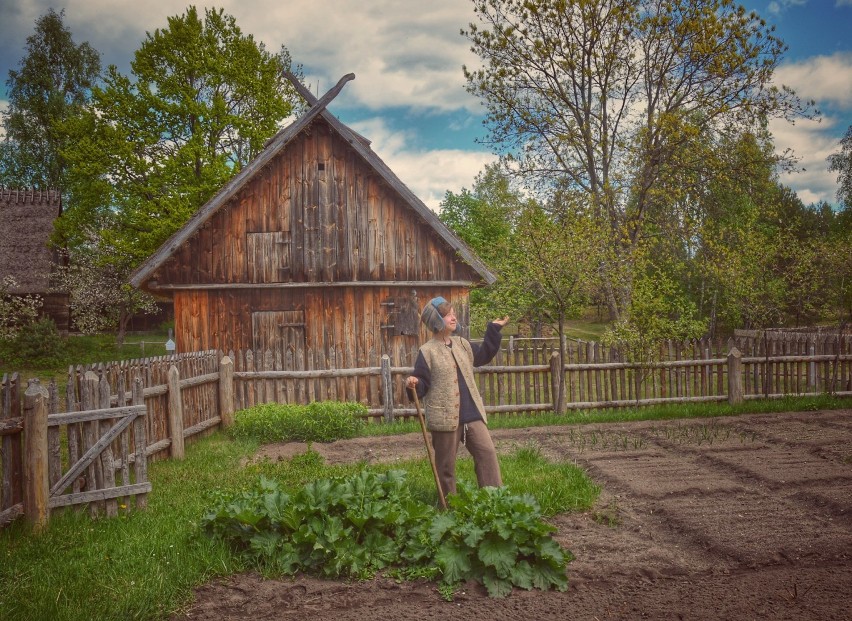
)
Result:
{"points": [[744, 517]]}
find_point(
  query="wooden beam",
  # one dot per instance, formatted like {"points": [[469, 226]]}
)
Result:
{"points": [[91, 454], [100, 494], [67, 418], [35, 451], [312, 285]]}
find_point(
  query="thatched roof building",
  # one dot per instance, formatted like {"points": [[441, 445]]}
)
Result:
{"points": [[26, 224]]}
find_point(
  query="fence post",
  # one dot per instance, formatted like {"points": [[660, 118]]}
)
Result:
{"points": [[140, 440], [226, 392], [812, 366], [557, 382], [175, 414], [35, 461], [11, 457], [387, 388], [735, 379]]}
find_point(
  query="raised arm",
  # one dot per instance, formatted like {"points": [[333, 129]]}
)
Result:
{"points": [[484, 353]]}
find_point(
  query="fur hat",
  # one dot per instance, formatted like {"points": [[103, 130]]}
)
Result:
{"points": [[431, 317]]}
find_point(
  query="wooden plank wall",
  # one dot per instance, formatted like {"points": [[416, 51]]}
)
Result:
{"points": [[335, 217], [345, 327]]}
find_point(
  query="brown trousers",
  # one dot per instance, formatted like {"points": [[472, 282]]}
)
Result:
{"points": [[478, 442]]}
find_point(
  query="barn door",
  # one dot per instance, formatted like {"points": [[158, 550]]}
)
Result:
{"points": [[282, 331]]}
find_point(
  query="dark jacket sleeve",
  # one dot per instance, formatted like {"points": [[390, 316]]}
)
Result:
{"points": [[423, 375], [485, 352]]}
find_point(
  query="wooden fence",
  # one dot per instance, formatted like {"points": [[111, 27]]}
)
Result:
{"points": [[117, 414], [523, 376], [92, 446]]}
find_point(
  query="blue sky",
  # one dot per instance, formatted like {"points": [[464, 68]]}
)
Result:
{"points": [[408, 97]]}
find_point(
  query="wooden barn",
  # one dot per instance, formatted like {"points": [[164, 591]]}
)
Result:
{"points": [[315, 250], [26, 224]]}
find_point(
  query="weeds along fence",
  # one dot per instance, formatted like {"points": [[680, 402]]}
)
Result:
{"points": [[94, 437]]}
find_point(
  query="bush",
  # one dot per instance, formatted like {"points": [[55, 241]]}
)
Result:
{"points": [[16, 311], [37, 346], [324, 421]]}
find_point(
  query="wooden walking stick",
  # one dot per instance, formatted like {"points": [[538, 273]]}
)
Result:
{"points": [[441, 498]]}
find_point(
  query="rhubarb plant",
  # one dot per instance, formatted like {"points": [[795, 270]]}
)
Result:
{"points": [[356, 526]]}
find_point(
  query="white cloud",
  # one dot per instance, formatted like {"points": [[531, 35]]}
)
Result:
{"points": [[402, 53], [779, 6], [827, 79], [429, 174], [812, 142]]}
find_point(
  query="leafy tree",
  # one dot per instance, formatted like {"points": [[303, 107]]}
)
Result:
{"points": [[619, 99], [660, 309], [201, 101], [483, 217], [735, 259], [841, 163], [547, 268], [51, 86]]}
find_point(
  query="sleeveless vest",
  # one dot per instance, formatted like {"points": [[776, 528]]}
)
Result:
{"points": [[442, 401]]}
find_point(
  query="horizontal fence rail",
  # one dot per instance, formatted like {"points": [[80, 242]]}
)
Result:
{"points": [[113, 418]]}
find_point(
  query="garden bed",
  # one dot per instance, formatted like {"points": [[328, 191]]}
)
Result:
{"points": [[743, 517]]}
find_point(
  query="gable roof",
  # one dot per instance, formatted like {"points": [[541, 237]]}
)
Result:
{"points": [[274, 146], [27, 216]]}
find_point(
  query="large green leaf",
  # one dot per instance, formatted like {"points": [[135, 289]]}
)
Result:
{"points": [[453, 562], [499, 554], [522, 575], [496, 586]]}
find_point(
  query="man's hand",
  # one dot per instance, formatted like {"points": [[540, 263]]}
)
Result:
{"points": [[411, 382], [501, 322]]}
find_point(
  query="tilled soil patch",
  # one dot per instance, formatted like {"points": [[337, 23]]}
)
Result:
{"points": [[745, 517]]}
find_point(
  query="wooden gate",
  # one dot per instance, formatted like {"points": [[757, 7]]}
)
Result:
{"points": [[99, 441]]}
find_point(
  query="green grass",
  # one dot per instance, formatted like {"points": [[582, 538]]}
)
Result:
{"points": [[140, 565], [144, 564], [585, 329], [320, 421], [93, 348], [614, 415]]}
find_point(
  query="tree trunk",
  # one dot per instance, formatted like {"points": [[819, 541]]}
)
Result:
{"points": [[559, 397], [123, 320]]}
